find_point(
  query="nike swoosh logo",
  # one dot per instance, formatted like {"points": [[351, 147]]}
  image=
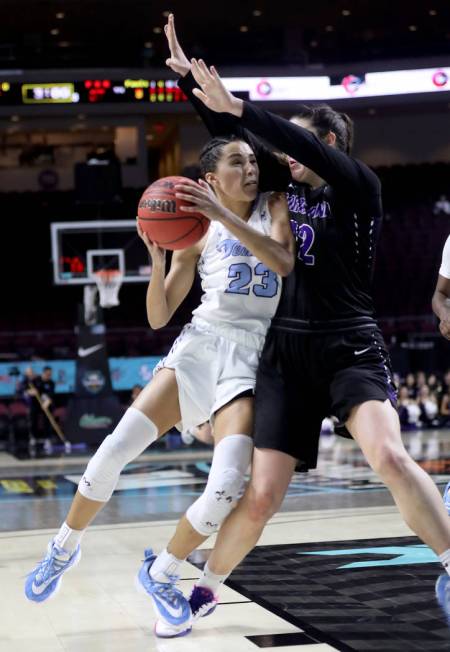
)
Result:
{"points": [[175, 613], [41, 588], [83, 353], [361, 352]]}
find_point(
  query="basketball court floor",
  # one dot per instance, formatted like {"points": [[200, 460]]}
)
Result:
{"points": [[336, 569]]}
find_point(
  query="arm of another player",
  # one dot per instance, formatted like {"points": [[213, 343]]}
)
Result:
{"points": [[275, 251], [274, 173], [165, 294], [441, 304], [330, 163]]}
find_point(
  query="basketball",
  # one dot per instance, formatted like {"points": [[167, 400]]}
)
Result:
{"points": [[162, 219]]}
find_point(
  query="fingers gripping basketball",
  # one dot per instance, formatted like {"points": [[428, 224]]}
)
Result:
{"points": [[160, 216]]}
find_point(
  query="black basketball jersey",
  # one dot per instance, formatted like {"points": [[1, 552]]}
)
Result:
{"points": [[336, 226]]}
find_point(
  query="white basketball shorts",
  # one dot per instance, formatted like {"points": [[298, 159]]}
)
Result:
{"points": [[213, 364]]}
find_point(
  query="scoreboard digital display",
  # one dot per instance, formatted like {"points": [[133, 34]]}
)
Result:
{"points": [[92, 91]]}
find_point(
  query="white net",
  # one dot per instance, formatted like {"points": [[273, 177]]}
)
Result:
{"points": [[108, 283]]}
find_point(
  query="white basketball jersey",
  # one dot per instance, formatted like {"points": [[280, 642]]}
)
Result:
{"points": [[237, 288]]}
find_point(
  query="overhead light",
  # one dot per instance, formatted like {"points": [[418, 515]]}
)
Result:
{"points": [[329, 28], [63, 44], [157, 30], [412, 28], [257, 12], [243, 28], [314, 44], [166, 14], [15, 118], [346, 12], [150, 137], [60, 15], [433, 12], [148, 45], [54, 31]]}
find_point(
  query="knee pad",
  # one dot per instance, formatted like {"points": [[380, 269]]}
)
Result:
{"points": [[225, 482], [132, 435]]}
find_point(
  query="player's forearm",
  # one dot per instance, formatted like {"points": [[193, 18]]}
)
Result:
{"points": [[440, 305], [266, 249], [156, 301]]}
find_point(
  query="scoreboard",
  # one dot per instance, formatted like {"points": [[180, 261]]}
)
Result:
{"points": [[92, 91]]}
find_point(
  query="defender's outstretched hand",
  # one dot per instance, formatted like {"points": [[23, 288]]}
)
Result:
{"points": [[178, 61], [212, 91]]}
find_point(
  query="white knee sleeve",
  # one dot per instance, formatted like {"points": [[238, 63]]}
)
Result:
{"points": [[132, 435], [226, 479]]}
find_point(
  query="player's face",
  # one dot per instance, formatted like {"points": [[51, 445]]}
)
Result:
{"points": [[237, 172]]}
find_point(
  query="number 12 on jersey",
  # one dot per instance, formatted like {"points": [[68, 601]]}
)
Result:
{"points": [[242, 276]]}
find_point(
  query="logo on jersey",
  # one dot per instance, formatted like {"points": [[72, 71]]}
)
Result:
{"points": [[230, 247], [298, 204]]}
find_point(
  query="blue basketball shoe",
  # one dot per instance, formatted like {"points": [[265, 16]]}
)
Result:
{"points": [[45, 579], [446, 496], [171, 607], [442, 589], [203, 602]]}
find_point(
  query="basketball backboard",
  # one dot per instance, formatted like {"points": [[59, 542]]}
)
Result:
{"points": [[81, 248]]}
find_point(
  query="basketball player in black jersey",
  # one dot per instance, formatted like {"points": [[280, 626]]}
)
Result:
{"points": [[324, 353]]}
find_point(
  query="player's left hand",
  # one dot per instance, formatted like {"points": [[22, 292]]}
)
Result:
{"points": [[212, 91], [201, 198]]}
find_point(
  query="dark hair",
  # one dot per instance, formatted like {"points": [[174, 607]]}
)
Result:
{"points": [[325, 119], [47, 369], [212, 151]]}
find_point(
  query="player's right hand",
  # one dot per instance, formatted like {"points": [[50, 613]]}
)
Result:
{"points": [[157, 253], [177, 61]]}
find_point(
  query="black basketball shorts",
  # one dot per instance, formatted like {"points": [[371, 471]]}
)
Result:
{"points": [[303, 378]]}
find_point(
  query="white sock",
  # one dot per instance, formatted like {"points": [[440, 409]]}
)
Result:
{"points": [[67, 538], [445, 559], [210, 580], [165, 565]]}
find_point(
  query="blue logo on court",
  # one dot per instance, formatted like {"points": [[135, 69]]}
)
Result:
{"points": [[399, 555]]}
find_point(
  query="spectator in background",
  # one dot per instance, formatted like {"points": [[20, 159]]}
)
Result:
{"points": [[442, 205], [45, 385], [408, 410], [434, 384], [445, 409], [428, 407], [411, 385], [446, 383], [421, 381], [27, 391]]}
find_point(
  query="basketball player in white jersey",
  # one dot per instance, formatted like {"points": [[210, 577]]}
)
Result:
{"points": [[208, 374], [441, 308]]}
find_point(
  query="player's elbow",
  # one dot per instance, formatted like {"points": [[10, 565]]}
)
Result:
{"points": [[157, 321]]}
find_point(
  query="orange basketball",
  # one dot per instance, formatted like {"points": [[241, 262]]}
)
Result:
{"points": [[160, 216]]}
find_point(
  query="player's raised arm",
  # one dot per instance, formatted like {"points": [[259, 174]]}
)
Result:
{"points": [[330, 163], [274, 173]]}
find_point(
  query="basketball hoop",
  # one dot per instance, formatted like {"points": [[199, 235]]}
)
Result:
{"points": [[108, 283]]}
